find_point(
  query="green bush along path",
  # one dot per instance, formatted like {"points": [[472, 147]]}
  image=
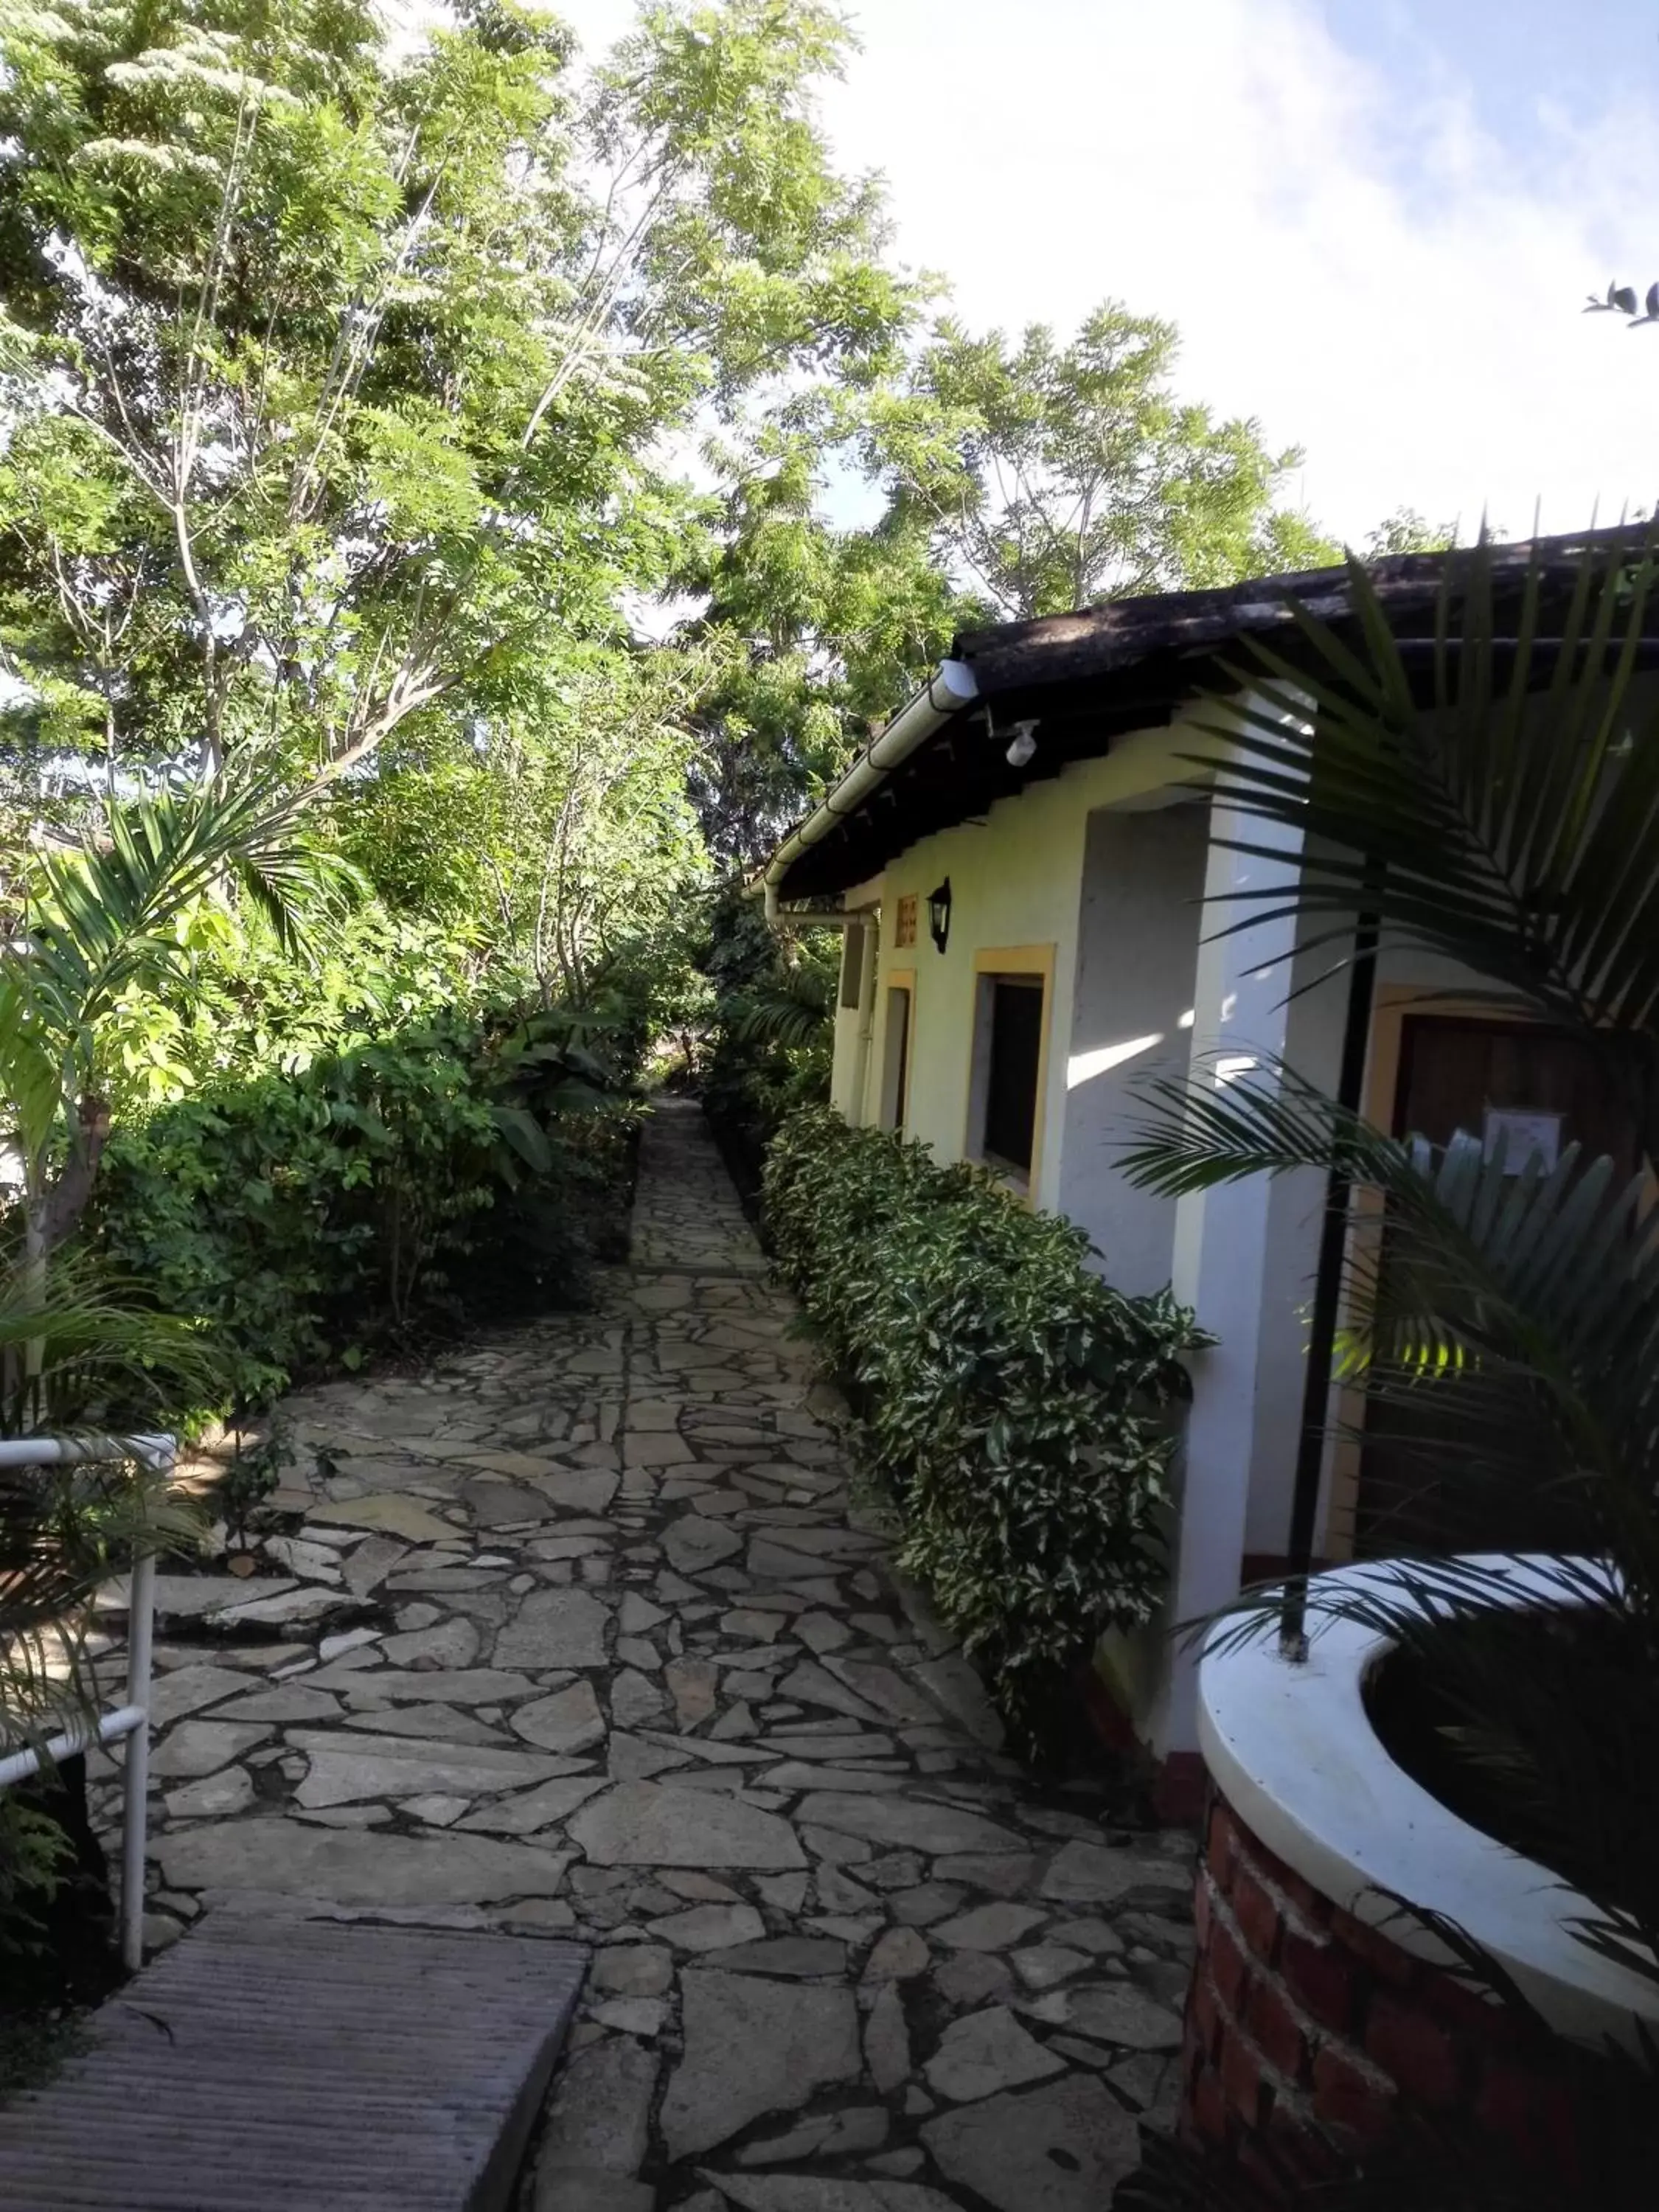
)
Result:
{"points": [[1016, 1405], [582, 1634]]}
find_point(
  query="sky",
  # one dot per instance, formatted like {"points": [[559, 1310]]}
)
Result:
{"points": [[1375, 221]]}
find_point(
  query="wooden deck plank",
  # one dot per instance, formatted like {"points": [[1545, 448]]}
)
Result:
{"points": [[302, 2066]]}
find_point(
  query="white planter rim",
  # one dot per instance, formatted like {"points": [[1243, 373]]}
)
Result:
{"points": [[1292, 1748]]}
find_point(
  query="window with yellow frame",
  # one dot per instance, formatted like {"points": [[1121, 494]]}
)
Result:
{"points": [[1013, 986]]}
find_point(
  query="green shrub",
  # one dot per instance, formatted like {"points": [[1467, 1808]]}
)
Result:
{"points": [[303, 1216], [34, 1853], [1016, 1405], [772, 1037]]}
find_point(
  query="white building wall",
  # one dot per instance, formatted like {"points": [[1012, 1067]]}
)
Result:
{"points": [[1314, 1019], [1143, 880], [1016, 880]]}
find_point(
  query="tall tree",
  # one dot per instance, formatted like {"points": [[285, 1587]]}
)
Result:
{"points": [[338, 385], [567, 834], [1051, 476], [827, 628]]}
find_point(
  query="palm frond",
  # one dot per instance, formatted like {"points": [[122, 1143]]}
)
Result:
{"points": [[1516, 1316], [102, 1351], [1491, 794], [65, 1531], [790, 1009], [102, 913]]}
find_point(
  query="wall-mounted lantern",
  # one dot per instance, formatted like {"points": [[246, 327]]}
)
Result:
{"points": [[939, 914]]}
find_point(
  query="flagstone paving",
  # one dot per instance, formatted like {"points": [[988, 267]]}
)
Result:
{"points": [[582, 1634]]}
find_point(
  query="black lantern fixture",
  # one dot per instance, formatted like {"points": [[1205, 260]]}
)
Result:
{"points": [[939, 915]]}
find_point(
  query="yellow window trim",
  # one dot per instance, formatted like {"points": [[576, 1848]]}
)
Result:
{"points": [[903, 979], [1016, 960]]}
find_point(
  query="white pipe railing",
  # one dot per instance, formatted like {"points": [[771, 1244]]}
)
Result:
{"points": [[131, 1720]]}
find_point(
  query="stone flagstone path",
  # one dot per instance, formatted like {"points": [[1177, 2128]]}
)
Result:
{"points": [[583, 1635]]}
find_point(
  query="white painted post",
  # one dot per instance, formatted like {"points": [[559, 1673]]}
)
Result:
{"points": [[1244, 982], [135, 1792]]}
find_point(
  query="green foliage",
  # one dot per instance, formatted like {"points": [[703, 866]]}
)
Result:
{"points": [[251, 1475], [303, 1219], [63, 1531], [35, 2043], [34, 1854], [833, 625], [1014, 480], [1050, 476], [339, 376], [92, 1349], [567, 837], [1014, 1404], [103, 925], [1406, 531], [773, 1037]]}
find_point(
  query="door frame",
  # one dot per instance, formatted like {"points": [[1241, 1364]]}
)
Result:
{"points": [[1037, 961], [898, 979], [1393, 1005]]}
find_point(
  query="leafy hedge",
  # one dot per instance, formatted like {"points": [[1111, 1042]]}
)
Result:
{"points": [[303, 1217], [1017, 1407], [772, 1035]]}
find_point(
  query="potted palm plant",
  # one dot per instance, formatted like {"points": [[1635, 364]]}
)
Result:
{"points": [[1489, 796]]}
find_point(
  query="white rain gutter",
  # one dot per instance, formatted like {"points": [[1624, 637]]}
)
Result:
{"points": [[944, 694]]}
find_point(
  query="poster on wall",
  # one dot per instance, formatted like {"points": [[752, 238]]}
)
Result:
{"points": [[1522, 1135]]}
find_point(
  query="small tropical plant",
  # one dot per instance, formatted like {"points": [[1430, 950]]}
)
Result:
{"points": [[773, 1030], [92, 1352], [1488, 794]]}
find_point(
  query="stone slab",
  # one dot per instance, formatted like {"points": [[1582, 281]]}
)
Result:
{"points": [[560, 1627], [752, 2047], [984, 2053], [905, 1823], [344, 1866], [1063, 2148], [656, 1824]]}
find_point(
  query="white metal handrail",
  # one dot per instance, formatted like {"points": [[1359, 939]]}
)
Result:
{"points": [[131, 1720]]}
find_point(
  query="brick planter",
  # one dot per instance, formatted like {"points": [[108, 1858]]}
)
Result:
{"points": [[1300, 2018], [1320, 2006]]}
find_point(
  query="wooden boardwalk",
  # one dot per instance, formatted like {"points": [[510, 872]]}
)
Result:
{"points": [[277, 2065]]}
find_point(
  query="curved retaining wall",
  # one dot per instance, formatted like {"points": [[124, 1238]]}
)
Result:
{"points": [[1319, 2002], [1299, 2016]]}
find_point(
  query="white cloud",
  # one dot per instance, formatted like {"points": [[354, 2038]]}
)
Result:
{"points": [[1354, 261]]}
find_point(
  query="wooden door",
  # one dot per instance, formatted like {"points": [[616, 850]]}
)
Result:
{"points": [[1531, 1089]]}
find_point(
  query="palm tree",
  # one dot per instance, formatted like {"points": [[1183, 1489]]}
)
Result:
{"points": [[99, 918], [1489, 794]]}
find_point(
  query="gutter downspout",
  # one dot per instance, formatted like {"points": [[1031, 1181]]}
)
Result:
{"points": [[944, 694], [1328, 1299]]}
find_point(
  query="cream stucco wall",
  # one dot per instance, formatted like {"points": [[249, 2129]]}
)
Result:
{"points": [[1016, 882], [1132, 1015]]}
